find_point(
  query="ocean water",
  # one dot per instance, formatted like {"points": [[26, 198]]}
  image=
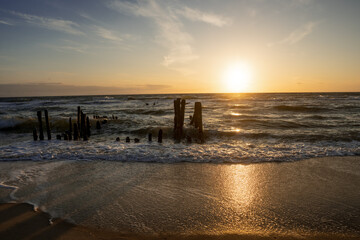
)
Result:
{"points": [[239, 128]]}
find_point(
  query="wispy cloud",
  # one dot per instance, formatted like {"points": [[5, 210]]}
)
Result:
{"points": [[5, 23], [196, 15], [297, 35], [171, 33], [106, 34], [51, 23]]}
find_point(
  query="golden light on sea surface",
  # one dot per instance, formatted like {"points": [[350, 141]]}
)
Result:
{"points": [[237, 77]]}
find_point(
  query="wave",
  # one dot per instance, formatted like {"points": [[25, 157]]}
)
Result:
{"points": [[300, 108]]}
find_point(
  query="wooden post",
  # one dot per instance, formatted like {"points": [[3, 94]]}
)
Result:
{"points": [[35, 136], [181, 117], [98, 125], [197, 120], [70, 129], [48, 131], [58, 137], [88, 132], [76, 131], [79, 119], [83, 127], [160, 135], [177, 134], [41, 132], [150, 137]]}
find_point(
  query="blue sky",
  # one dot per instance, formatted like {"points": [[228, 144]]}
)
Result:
{"points": [[156, 46]]}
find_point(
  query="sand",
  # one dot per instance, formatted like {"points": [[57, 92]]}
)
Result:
{"points": [[310, 199], [21, 221]]}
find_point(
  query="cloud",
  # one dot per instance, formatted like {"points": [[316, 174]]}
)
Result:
{"points": [[297, 35], [196, 15], [171, 33], [60, 25], [106, 34], [60, 89], [5, 23]]}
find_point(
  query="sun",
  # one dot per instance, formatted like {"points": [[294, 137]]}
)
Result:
{"points": [[237, 77]]}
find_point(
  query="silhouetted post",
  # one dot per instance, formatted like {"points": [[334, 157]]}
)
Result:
{"points": [[66, 136], [70, 129], [41, 132], [98, 125], [76, 131], [88, 125], [79, 119], [35, 136], [127, 139], [160, 136], [58, 137], [197, 120], [150, 137], [48, 131], [177, 119], [181, 116], [83, 127]]}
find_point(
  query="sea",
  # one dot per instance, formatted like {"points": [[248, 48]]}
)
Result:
{"points": [[271, 163], [238, 128]]}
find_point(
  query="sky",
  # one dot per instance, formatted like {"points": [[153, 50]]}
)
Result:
{"points": [[77, 47]]}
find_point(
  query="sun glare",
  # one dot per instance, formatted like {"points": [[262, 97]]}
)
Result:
{"points": [[237, 77]]}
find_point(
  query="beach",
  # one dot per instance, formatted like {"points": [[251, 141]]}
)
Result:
{"points": [[308, 199]]}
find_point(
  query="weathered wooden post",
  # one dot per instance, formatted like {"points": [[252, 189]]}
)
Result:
{"points": [[150, 137], [76, 131], [79, 119], [127, 139], [41, 132], [35, 136], [160, 135], [197, 120], [48, 130], [58, 137], [176, 117], [83, 127], [98, 125], [70, 129], [179, 108], [88, 125], [181, 118]]}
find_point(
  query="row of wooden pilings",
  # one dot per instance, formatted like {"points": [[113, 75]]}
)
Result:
{"points": [[81, 128], [78, 130]]}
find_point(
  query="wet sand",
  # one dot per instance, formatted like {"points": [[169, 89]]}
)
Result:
{"points": [[309, 199], [21, 221]]}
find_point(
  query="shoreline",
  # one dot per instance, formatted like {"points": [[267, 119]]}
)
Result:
{"points": [[323, 182]]}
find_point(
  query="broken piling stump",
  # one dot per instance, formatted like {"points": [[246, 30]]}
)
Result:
{"points": [[79, 119], [150, 137], [48, 130], [35, 136], [196, 120], [70, 129], [160, 136], [83, 127], [179, 109], [88, 126], [41, 132], [76, 132]]}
